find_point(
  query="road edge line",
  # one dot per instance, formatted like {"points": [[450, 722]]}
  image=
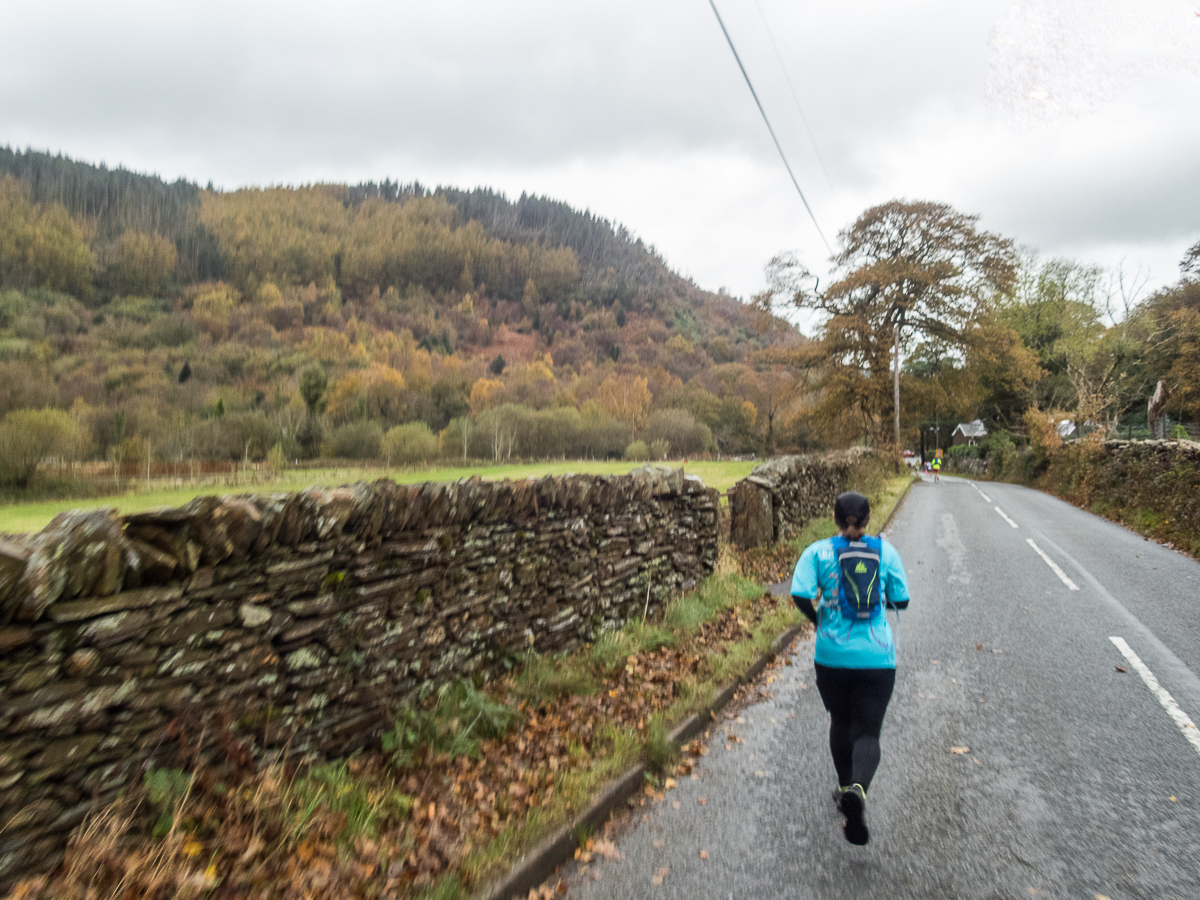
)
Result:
{"points": [[1181, 719]]}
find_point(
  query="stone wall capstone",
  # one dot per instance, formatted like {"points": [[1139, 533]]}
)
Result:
{"points": [[301, 622], [782, 495]]}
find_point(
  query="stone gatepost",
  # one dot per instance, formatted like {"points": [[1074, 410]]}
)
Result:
{"points": [[751, 520]]}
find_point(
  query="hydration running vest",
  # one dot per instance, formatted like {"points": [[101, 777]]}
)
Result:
{"points": [[859, 567]]}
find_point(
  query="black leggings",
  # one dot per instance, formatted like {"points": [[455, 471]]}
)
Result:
{"points": [[857, 700]]}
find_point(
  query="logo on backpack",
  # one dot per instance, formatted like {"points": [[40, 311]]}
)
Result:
{"points": [[858, 577]]}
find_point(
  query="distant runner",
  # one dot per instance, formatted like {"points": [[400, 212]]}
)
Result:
{"points": [[855, 578], [937, 467]]}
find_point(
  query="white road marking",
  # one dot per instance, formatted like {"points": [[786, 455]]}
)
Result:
{"points": [[1005, 518], [1052, 564], [1178, 716], [1179, 673], [981, 493]]}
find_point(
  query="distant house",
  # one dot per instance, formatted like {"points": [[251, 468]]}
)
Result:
{"points": [[968, 433]]}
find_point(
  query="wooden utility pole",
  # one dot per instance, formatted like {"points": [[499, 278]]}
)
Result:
{"points": [[896, 383]]}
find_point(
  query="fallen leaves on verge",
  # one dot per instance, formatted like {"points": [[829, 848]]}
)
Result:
{"points": [[704, 854], [548, 891], [595, 846], [960, 750], [660, 875], [248, 833]]}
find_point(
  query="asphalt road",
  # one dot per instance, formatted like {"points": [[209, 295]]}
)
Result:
{"points": [[1077, 783]]}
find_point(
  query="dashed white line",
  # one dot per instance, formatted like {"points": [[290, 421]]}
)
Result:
{"points": [[1053, 565], [981, 493], [1005, 518], [1178, 716]]}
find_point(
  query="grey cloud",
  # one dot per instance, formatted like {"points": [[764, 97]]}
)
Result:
{"points": [[574, 97]]}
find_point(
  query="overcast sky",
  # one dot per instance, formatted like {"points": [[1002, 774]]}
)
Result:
{"points": [[1071, 126]]}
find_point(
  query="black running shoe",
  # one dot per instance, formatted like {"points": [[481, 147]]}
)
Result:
{"points": [[854, 808]]}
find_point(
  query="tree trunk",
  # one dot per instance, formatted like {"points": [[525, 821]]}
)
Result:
{"points": [[1156, 409]]}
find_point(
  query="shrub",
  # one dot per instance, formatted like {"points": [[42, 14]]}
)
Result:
{"points": [[408, 444], [600, 436], [499, 431], [165, 788], [637, 451], [234, 436], [455, 438], [659, 448], [276, 461], [679, 428], [1043, 435], [355, 440], [28, 436], [461, 717]]}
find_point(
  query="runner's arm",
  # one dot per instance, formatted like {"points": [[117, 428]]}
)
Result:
{"points": [[805, 605], [895, 582], [805, 583]]}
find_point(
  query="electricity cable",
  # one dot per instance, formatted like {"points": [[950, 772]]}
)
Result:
{"points": [[795, 99], [763, 112]]}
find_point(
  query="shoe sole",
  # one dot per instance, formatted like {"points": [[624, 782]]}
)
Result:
{"points": [[855, 826]]}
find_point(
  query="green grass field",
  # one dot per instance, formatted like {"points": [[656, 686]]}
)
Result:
{"points": [[17, 518]]}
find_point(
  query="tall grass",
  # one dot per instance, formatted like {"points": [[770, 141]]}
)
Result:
{"points": [[333, 787]]}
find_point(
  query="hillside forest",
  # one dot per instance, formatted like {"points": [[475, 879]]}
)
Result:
{"points": [[148, 323]]}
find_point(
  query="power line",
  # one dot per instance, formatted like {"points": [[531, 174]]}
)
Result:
{"points": [[758, 103], [795, 98]]}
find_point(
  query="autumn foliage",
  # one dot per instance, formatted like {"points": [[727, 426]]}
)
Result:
{"points": [[193, 323]]}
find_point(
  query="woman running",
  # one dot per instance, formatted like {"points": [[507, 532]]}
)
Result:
{"points": [[844, 584]]}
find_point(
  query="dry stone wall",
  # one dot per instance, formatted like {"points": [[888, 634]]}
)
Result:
{"points": [[976, 467], [302, 621], [1152, 486], [782, 495]]}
